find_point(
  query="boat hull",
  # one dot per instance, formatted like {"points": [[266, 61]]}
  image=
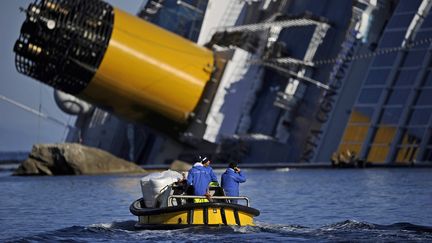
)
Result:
{"points": [[193, 214]]}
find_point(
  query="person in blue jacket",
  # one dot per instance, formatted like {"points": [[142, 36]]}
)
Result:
{"points": [[200, 176], [231, 179]]}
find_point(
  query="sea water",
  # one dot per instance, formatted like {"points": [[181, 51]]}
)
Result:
{"points": [[312, 205]]}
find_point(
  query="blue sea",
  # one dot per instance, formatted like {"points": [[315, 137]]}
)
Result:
{"points": [[308, 205]]}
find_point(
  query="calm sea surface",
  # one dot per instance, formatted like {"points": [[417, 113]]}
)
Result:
{"points": [[387, 205]]}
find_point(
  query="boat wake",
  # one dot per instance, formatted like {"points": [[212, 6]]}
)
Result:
{"points": [[349, 230]]}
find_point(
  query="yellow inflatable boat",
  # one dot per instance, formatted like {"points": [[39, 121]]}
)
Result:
{"points": [[173, 209]]}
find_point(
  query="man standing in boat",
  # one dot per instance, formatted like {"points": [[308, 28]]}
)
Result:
{"points": [[200, 176], [231, 179]]}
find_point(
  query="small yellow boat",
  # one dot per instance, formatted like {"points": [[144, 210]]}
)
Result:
{"points": [[177, 210]]}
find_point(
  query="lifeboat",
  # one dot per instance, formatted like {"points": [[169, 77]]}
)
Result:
{"points": [[173, 207]]}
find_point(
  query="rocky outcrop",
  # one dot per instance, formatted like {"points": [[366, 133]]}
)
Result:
{"points": [[73, 159], [180, 166]]}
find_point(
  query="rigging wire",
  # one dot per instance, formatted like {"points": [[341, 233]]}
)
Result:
{"points": [[289, 72], [66, 128], [40, 111], [381, 51], [279, 63], [34, 111]]}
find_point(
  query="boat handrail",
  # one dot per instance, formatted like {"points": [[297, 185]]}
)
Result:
{"points": [[204, 197]]}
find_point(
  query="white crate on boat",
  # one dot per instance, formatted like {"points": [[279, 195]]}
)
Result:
{"points": [[152, 185]]}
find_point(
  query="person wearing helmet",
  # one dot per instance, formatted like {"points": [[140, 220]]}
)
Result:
{"points": [[231, 179], [200, 176]]}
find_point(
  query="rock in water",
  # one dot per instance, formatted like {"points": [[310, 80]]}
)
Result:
{"points": [[73, 159], [180, 166]]}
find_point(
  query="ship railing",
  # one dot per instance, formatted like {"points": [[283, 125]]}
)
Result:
{"points": [[172, 197]]}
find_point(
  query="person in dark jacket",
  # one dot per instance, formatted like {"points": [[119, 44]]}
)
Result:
{"points": [[231, 179], [200, 176]]}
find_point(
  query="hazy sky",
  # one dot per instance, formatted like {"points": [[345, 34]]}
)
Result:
{"points": [[20, 129]]}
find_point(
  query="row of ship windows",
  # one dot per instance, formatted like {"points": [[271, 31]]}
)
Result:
{"points": [[413, 58], [404, 77], [417, 116], [401, 21], [385, 135], [407, 6], [395, 37], [396, 96], [404, 13]]}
